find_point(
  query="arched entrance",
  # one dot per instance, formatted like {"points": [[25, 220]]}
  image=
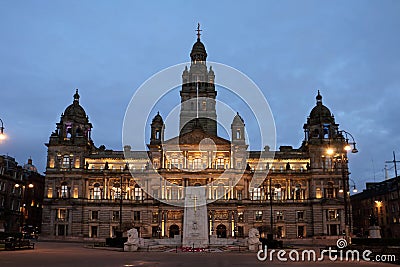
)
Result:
{"points": [[221, 231], [173, 230]]}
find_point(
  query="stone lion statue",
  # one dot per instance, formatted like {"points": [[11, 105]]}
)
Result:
{"points": [[133, 236], [254, 239], [253, 232]]}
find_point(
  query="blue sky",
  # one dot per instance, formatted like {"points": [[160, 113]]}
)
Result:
{"points": [[347, 49]]}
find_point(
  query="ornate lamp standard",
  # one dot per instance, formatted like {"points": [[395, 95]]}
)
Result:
{"points": [[340, 153], [2, 135]]}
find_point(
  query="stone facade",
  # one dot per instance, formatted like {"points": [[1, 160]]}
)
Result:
{"points": [[21, 197], [87, 187], [378, 205]]}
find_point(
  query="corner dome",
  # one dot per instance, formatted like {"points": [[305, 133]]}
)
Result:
{"points": [[75, 110], [157, 119], [29, 166], [198, 52], [320, 113]]}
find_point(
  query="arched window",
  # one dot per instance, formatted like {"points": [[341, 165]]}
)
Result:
{"points": [[221, 231], [138, 192], [68, 131], [65, 162], [220, 163], [64, 190], [238, 134], [197, 163], [318, 193], [257, 193], [298, 192], [329, 191], [117, 190], [326, 131], [278, 192], [96, 191]]}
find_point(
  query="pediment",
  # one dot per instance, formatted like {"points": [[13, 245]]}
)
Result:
{"points": [[196, 137]]}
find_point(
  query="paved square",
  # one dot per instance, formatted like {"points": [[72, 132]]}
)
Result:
{"points": [[75, 255]]}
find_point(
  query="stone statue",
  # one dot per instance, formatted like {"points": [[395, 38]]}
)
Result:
{"points": [[133, 240], [254, 239]]}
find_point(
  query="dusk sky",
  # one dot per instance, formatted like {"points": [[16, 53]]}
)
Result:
{"points": [[349, 50]]}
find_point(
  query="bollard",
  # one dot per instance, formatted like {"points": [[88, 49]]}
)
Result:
{"points": [[193, 248], [176, 249]]}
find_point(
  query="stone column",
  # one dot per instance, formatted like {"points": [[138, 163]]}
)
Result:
{"points": [[165, 223]]}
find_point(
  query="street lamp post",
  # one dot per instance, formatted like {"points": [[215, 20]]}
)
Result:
{"points": [[23, 202], [2, 135], [348, 146], [271, 214]]}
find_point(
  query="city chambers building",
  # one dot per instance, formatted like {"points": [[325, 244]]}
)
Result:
{"points": [[92, 192]]}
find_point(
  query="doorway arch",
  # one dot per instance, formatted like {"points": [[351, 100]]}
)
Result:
{"points": [[173, 230], [221, 231]]}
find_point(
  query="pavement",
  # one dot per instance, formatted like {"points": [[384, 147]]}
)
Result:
{"points": [[76, 255]]}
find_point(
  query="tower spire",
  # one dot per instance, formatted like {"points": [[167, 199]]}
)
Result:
{"points": [[76, 96], [198, 31]]}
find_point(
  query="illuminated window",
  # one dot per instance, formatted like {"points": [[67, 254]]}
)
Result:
{"points": [[64, 190], [318, 193], [239, 194], [329, 193], [51, 164], [117, 191], [49, 192], [68, 131], [238, 134], [240, 216], [259, 214], [279, 215], [332, 215], [77, 163], [76, 192], [278, 192], [257, 193], [197, 163], [220, 163], [65, 162], [96, 191], [62, 214], [298, 192], [138, 193]]}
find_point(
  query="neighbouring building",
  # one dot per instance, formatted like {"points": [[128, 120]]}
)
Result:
{"points": [[378, 204], [92, 192], [21, 196]]}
